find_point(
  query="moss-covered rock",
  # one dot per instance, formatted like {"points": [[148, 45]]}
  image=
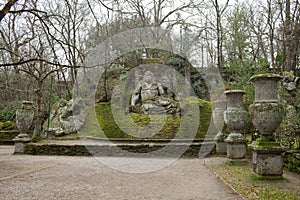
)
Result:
{"points": [[160, 126]]}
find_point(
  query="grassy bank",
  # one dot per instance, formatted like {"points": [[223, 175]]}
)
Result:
{"points": [[120, 125], [240, 176]]}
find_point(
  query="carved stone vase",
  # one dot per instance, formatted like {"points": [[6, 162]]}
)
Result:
{"points": [[235, 118], [218, 118], [24, 118], [266, 114]]}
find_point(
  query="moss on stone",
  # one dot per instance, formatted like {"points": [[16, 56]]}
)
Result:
{"points": [[110, 129]]}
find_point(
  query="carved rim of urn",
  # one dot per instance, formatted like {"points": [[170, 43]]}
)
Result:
{"points": [[234, 99], [266, 76], [27, 105], [266, 87]]}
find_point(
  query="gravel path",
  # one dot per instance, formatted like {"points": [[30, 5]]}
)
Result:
{"points": [[61, 177]]}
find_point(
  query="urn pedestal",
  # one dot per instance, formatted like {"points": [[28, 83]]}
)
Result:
{"points": [[24, 118], [266, 114], [218, 118], [235, 117]]}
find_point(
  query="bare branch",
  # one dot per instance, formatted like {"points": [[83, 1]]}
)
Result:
{"points": [[21, 62], [7, 8]]}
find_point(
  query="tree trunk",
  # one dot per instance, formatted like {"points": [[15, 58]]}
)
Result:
{"points": [[271, 34], [219, 37], [39, 114], [288, 37]]}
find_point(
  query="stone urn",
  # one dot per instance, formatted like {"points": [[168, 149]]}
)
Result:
{"points": [[218, 118], [266, 114], [235, 118], [24, 119]]}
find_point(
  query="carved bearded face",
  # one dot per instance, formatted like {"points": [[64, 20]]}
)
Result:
{"points": [[148, 77]]}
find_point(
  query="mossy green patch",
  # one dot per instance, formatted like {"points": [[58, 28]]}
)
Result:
{"points": [[8, 135], [121, 125], [72, 136]]}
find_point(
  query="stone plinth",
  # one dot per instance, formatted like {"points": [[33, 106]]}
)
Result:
{"points": [[20, 142], [267, 162], [221, 147], [236, 149]]}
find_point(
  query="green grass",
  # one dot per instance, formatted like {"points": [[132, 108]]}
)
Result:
{"points": [[251, 186]]}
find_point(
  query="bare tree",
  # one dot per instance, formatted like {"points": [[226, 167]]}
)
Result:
{"points": [[6, 8], [219, 31], [38, 44], [291, 35]]}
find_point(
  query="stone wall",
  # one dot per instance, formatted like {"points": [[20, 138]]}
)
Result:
{"points": [[6, 137], [114, 150]]}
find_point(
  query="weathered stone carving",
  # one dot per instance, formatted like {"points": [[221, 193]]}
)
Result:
{"points": [[266, 114], [24, 118], [66, 117], [151, 97], [235, 118]]}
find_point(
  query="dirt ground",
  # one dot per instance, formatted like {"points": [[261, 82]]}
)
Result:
{"points": [[61, 177]]}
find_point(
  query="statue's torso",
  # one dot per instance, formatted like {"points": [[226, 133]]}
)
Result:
{"points": [[149, 91]]}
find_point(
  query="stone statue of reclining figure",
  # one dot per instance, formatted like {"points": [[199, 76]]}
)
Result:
{"points": [[153, 98]]}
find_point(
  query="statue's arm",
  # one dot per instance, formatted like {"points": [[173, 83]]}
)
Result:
{"points": [[136, 95], [138, 89], [161, 90]]}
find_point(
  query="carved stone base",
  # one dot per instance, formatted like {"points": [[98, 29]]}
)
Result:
{"points": [[20, 142], [19, 147], [236, 150], [267, 162], [221, 147]]}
